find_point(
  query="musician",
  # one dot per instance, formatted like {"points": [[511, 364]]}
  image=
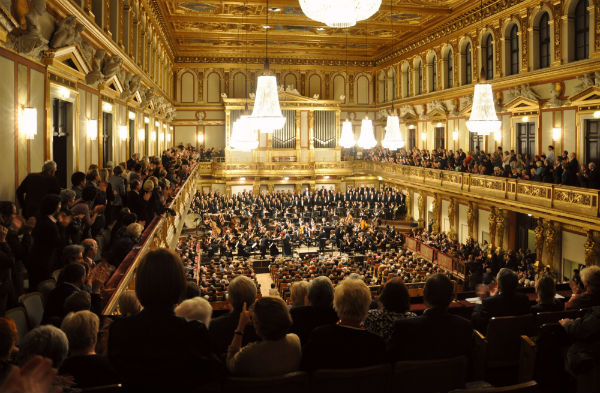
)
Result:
{"points": [[287, 244]]}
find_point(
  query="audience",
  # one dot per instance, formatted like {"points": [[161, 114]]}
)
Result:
{"points": [[319, 310], [589, 296], [545, 288], [46, 341], [299, 294], [195, 309]]}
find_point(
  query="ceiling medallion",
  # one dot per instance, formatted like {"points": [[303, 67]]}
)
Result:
{"points": [[339, 13]]}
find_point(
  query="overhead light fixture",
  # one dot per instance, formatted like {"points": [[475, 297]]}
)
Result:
{"points": [[141, 134], [347, 138], [366, 140], [483, 119], [556, 133], [393, 138], [455, 135], [131, 115], [107, 107], [64, 93], [339, 13], [92, 129], [123, 132], [266, 114], [380, 178], [597, 115], [28, 124], [242, 135]]}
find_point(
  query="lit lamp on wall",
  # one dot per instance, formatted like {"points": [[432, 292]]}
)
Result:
{"points": [[423, 136], [200, 138], [141, 134], [29, 122], [131, 115], [64, 93], [92, 129], [556, 133], [168, 138], [107, 107], [153, 136], [146, 120], [597, 115], [455, 135], [123, 133]]}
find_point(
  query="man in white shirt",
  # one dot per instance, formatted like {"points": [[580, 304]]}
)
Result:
{"points": [[550, 156]]}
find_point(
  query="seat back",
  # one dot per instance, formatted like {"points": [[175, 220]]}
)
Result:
{"points": [[525, 387], [293, 382], [416, 376], [34, 306], [45, 287], [19, 315], [504, 338], [542, 318], [354, 380]]}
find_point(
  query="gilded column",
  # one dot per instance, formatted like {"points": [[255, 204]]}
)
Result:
{"points": [[560, 20], [498, 48], [500, 227], [436, 214], [492, 227], [471, 215], [552, 237], [539, 240], [409, 205], [421, 205], [452, 219], [591, 250]]}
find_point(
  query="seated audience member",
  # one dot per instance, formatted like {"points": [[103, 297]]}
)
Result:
{"points": [[87, 368], [590, 295], [129, 303], [77, 301], [273, 291], [153, 350], [436, 334], [124, 244], [545, 288], [319, 311], [241, 290], [192, 290], [195, 309], [47, 341], [504, 303], [277, 353], [346, 344], [299, 293], [8, 341], [394, 305]]}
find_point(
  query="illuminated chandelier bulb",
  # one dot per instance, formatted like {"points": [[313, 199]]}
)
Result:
{"points": [[242, 135], [393, 138], [347, 139], [366, 140]]}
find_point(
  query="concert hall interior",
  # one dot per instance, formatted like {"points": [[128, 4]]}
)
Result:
{"points": [[299, 195]]}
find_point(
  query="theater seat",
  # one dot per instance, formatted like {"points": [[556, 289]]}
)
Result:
{"points": [[296, 381], [542, 318], [417, 376], [526, 387], [353, 380]]}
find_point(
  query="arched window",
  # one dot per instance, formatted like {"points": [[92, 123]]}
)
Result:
{"points": [[514, 50], [450, 69], [434, 73], [544, 41], [488, 57], [582, 27], [420, 78], [468, 65]]}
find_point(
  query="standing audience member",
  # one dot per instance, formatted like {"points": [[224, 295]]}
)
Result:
{"points": [[35, 187]]}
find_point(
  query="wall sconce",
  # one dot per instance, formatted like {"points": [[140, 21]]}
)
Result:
{"points": [[123, 132], [597, 115], [286, 178], [556, 132], [525, 119], [92, 129], [455, 135], [146, 120], [411, 127], [141, 134], [242, 179], [380, 178], [131, 115], [325, 177], [423, 136], [171, 128], [153, 136], [439, 125], [498, 136], [107, 107], [29, 122], [64, 93], [169, 138], [200, 138], [156, 124]]}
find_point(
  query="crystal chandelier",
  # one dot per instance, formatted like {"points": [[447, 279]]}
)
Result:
{"points": [[393, 138], [266, 114], [339, 13], [366, 140], [242, 135], [347, 139]]}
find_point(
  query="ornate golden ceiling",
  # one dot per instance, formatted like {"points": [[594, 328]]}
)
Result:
{"points": [[236, 28]]}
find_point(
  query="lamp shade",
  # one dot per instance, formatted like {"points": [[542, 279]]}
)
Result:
{"points": [[29, 122], [366, 140], [123, 132], [92, 129], [483, 119], [266, 114], [393, 139], [242, 135], [347, 138]]}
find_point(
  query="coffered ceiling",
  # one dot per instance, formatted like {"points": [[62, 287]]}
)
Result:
{"points": [[237, 28]]}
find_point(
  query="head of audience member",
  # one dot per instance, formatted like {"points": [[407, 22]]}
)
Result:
{"points": [[50, 205], [90, 248], [46, 341], [508, 281], [78, 180], [192, 290], [8, 338], [129, 303], [49, 168], [299, 293], [320, 292], [590, 277], [73, 253], [241, 290], [134, 231], [271, 318], [395, 297], [195, 309], [545, 288], [160, 280], [77, 301], [73, 273], [438, 291], [81, 328], [351, 301], [67, 198]]}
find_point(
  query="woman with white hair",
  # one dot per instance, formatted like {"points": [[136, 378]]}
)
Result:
{"points": [[346, 344], [46, 341], [195, 309]]}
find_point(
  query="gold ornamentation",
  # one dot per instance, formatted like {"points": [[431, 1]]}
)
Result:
{"points": [[591, 250], [471, 215], [436, 214], [539, 239], [452, 219], [500, 228], [421, 205], [409, 205], [492, 227]]}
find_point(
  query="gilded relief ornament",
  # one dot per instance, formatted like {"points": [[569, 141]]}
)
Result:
{"points": [[409, 205], [436, 214], [591, 250], [452, 219], [492, 227], [539, 239], [551, 237], [500, 228], [471, 218], [421, 205]]}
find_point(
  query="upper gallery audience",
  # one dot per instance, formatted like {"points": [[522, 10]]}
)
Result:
{"points": [[345, 344], [277, 352]]}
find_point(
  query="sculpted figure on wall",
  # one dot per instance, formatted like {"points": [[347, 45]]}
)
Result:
{"points": [[539, 239], [471, 216], [421, 205], [66, 32], [130, 85], [585, 81], [409, 206], [111, 65], [452, 219], [492, 227], [148, 97], [552, 233], [555, 100], [436, 214], [591, 250], [95, 75]]}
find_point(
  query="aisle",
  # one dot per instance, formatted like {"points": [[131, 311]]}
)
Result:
{"points": [[265, 280]]}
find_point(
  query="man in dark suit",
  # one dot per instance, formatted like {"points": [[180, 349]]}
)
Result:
{"points": [[320, 311], [35, 187], [241, 290], [505, 303], [436, 334]]}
